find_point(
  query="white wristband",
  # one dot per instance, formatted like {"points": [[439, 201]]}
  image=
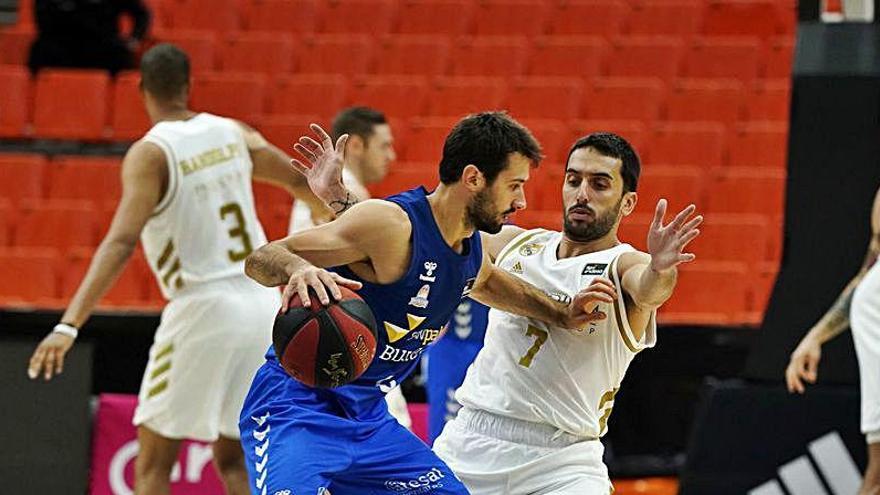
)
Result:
{"points": [[65, 329]]}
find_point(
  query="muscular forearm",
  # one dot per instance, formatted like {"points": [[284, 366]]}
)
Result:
{"points": [[272, 264], [106, 266], [503, 291], [652, 288], [836, 319]]}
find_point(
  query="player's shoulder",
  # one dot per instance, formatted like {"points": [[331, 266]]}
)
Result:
{"points": [[511, 237], [145, 150], [381, 216], [629, 259]]}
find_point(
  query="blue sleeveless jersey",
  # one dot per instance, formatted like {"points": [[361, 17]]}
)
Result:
{"points": [[411, 312]]}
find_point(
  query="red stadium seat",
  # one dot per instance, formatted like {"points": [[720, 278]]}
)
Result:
{"points": [[625, 99], [680, 186], [130, 289], [502, 17], [356, 16], [130, 120], [14, 100], [733, 238], [6, 219], [334, 54], [285, 16], [769, 101], [71, 104], [446, 17], [705, 100], [273, 209], [747, 190], [733, 58], [57, 223], [746, 17], [697, 144], [544, 97], [401, 97], [551, 134], [646, 56], [234, 95], [199, 45], [220, 16], [778, 57], [284, 130], [459, 96], [760, 291], [412, 55], [307, 95], [15, 44], [632, 130], [567, 56], [404, 176], [664, 17], [85, 178], [268, 53], [587, 17], [726, 302], [23, 176], [425, 139], [633, 229], [490, 56], [538, 219], [758, 144], [28, 276]]}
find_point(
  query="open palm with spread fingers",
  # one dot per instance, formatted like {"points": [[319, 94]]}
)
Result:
{"points": [[322, 163], [666, 243]]}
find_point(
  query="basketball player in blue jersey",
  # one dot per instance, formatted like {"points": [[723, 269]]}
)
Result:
{"points": [[413, 257]]}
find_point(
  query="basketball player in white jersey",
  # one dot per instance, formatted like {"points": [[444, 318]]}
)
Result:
{"points": [[858, 307], [187, 196], [537, 398], [369, 151]]}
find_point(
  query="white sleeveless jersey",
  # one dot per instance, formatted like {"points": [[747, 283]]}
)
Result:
{"points": [[530, 371], [206, 223]]}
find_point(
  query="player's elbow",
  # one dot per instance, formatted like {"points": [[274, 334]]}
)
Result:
{"points": [[255, 264]]}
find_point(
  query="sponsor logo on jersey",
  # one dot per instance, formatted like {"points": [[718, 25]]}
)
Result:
{"points": [[421, 298], [424, 483], [517, 268], [209, 158], [558, 296], [386, 384], [396, 333], [429, 276], [594, 268], [395, 355], [425, 335], [531, 248]]}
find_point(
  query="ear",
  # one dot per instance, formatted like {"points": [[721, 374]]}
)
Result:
{"points": [[472, 178], [355, 144], [629, 203]]}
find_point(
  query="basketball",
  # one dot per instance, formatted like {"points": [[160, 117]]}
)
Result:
{"points": [[326, 346]]}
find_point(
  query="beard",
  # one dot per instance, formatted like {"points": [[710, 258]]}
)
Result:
{"points": [[590, 231], [482, 214]]}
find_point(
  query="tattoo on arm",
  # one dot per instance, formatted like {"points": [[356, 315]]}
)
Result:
{"points": [[339, 206], [838, 315]]}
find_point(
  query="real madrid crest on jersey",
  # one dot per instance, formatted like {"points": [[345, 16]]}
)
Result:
{"points": [[531, 248]]}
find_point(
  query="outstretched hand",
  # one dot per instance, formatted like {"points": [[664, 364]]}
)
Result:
{"points": [[322, 162], [666, 243]]}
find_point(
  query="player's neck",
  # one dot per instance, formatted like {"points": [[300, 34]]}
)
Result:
{"points": [[449, 213], [569, 248], [171, 113]]}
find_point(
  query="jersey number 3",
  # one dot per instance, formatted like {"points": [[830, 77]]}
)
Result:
{"points": [[238, 231], [540, 338]]}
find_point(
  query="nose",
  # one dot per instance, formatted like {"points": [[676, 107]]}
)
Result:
{"points": [[583, 193], [392, 155], [519, 204]]}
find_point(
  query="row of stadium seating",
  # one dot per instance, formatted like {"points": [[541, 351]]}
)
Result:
{"points": [[486, 17]]}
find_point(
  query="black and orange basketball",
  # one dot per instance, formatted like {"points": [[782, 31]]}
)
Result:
{"points": [[326, 346]]}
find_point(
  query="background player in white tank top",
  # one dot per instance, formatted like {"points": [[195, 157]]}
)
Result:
{"points": [[187, 196], [537, 398], [857, 307]]}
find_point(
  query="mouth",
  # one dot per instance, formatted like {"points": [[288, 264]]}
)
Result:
{"points": [[505, 217], [579, 213]]}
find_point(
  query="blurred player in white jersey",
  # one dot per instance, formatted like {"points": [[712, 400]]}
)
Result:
{"points": [[187, 196], [368, 153], [537, 399], [857, 307]]}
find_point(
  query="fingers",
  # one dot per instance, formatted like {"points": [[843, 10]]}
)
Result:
{"points": [[347, 282], [685, 239], [326, 142], [659, 214], [682, 216], [36, 362], [311, 144], [330, 283], [305, 152], [692, 223], [49, 364], [314, 282], [299, 166], [340, 144], [792, 382], [59, 361], [812, 369], [686, 257]]}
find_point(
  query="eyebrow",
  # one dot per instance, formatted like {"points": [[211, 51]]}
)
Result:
{"points": [[594, 174], [520, 181]]}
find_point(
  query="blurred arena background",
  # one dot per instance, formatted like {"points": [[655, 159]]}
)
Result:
{"points": [[768, 124]]}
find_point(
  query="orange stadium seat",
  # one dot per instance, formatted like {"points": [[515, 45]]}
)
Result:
{"points": [[6, 219], [71, 104], [27, 276], [307, 95], [15, 44], [401, 97], [14, 100], [747, 190], [199, 45], [23, 176], [284, 130], [238, 95], [734, 58], [447, 17], [569, 56], [587, 17], [698, 144], [733, 238], [268, 53], [425, 138], [334, 54], [85, 178], [220, 16], [753, 17], [551, 134], [777, 58], [502, 56], [59, 223], [726, 303], [502, 17], [633, 229], [544, 97], [646, 56], [664, 17], [632, 130], [129, 119], [769, 100], [287, 16], [459, 96], [356, 16], [403, 176], [412, 55], [680, 186], [130, 289], [695, 100], [273, 209], [625, 99], [758, 144], [534, 219]]}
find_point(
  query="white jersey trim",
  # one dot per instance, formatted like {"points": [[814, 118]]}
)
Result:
{"points": [[649, 339], [516, 242], [173, 179]]}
